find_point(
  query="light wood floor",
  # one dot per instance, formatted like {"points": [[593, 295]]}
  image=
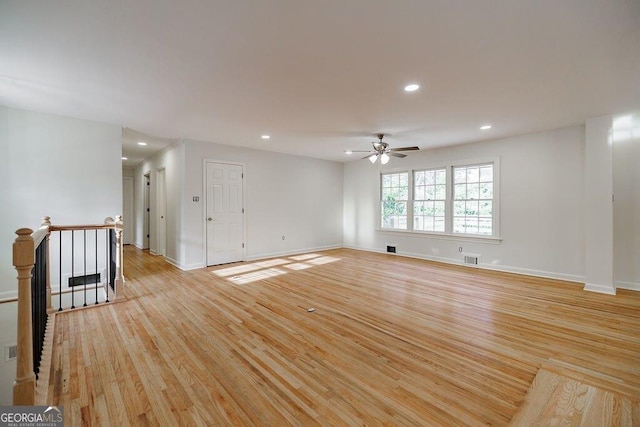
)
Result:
{"points": [[392, 341]]}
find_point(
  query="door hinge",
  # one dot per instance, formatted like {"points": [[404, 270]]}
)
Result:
{"points": [[147, 236], [242, 210], [147, 209], [243, 245], [242, 175]]}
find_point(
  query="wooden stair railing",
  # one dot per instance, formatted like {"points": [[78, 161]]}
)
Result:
{"points": [[31, 259]]}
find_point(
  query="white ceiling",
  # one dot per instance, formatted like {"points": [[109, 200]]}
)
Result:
{"points": [[321, 77]]}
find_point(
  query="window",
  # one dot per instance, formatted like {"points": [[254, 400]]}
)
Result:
{"points": [[429, 200], [473, 199], [394, 197], [452, 200]]}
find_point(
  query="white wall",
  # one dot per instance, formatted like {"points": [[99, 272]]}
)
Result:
{"points": [[171, 159], [292, 196], [541, 202], [65, 168], [626, 209]]}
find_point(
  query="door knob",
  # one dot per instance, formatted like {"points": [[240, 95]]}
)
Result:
{"points": [[209, 219]]}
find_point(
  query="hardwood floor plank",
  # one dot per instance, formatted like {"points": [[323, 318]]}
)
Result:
{"points": [[392, 341]]}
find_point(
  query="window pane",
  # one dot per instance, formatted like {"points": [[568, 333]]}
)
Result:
{"points": [[458, 208], [473, 191], [486, 173], [486, 208], [471, 208], [441, 176], [460, 175], [473, 174], [403, 193], [486, 190], [386, 180], [484, 226], [403, 180], [402, 222], [419, 193], [460, 191], [395, 180], [430, 177], [458, 225], [441, 192], [438, 209], [471, 225], [419, 178], [438, 224], [430, 192]]}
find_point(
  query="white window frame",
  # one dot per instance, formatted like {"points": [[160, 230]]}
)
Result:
{"points": [[448, 234], [408, 201], [414, 200]]}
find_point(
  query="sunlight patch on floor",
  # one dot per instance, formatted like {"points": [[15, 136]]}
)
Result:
{"points": [[245, 268], [256, 275], [298, 266], [259, 270]]}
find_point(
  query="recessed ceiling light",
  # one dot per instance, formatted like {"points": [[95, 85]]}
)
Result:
{"points": [[125, 158], [265, 137], [348, 152], [411, 87], [485, 127], [142, 143]]}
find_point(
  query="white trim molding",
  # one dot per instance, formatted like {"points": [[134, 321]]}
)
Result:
{"points": [[602, 289]]}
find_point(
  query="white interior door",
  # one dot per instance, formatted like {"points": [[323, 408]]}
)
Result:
{"points": [[161, 209], [225, 226], [127, 209]]}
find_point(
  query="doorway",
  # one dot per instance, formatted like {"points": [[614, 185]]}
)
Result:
{"points": [[224, 212], [161, 209]]}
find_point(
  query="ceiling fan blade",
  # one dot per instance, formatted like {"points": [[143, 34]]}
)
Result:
{"points": [[397, 155], [369, 155], [361, 151], [405, 149]]}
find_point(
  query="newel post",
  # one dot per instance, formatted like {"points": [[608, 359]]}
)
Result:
{"points": [[24, 388], [119, 227]]}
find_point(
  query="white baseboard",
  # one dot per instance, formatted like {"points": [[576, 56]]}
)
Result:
{"points": [[9, 294], [293, 252], [601, 289], [628, 285], [184, 267], [494, 267]]}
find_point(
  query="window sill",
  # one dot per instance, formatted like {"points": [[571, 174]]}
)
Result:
{"points": [[443, 236]]}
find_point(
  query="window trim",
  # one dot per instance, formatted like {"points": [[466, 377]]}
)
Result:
{"points": [[448, 234]]}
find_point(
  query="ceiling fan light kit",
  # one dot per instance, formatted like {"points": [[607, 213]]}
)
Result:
{"points": [[382, 150]]}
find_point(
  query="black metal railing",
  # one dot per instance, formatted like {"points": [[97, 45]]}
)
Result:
{"points": [[39, 302], [79, 261]]}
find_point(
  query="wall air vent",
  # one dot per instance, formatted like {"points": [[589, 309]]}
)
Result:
{"points": [[10, 352], [470, 259]]}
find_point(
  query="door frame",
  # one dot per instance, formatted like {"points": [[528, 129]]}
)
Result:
{"points": [[129, 224], [161, 188], [146, 210], [204, 206]]}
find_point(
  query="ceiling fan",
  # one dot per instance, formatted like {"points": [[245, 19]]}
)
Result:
{"points": [[381, 149]]}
